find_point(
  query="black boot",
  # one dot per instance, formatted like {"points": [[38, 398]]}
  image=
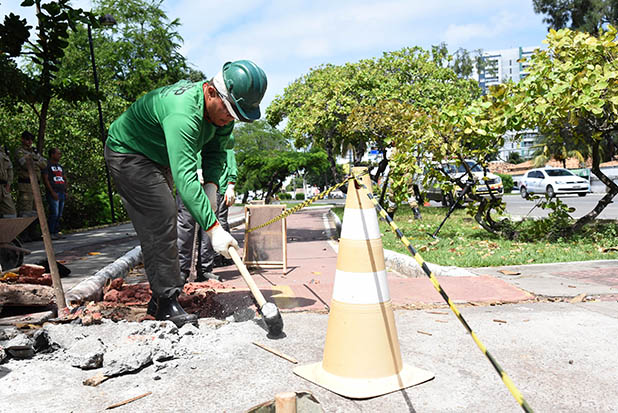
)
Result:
{"points": [[205, 276], [152, 307], [168, 309]]}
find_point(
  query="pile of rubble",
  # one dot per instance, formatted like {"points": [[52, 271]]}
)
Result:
{"points": [[115, 348], [28, 274]]}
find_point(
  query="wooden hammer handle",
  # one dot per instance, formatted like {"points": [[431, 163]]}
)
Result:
{"points": [[247, 277]]}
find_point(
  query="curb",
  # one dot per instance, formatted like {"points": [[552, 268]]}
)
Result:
{"points": [[91, 289], [407, 265]]}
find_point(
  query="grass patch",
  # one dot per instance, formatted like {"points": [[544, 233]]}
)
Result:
{"points": [[463, 243]]}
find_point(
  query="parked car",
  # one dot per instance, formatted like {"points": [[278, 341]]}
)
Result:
{"points": [[553, 181], [482, 183]]}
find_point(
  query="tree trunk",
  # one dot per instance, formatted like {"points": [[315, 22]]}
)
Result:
{"points": [[40, 143], [333, 164], [603, 202]]}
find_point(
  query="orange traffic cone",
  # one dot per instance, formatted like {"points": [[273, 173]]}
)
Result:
{"points": [[361, 356]]}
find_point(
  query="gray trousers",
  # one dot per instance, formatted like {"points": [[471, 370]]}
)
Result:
{"points": [[145, 189], [186, 236], [222, 210]]}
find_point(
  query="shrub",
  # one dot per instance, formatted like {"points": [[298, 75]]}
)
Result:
{"points": [[284, 196], [507, 182], [300, 196]]}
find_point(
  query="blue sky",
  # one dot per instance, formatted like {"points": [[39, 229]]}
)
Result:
{"points": [[287, 38]]}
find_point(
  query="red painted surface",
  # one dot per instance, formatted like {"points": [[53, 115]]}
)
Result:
{"points": [[311, 272]]}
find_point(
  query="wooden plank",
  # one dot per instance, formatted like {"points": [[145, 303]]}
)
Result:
{"points": [[33, 318], [20, 295], [265, 247]]}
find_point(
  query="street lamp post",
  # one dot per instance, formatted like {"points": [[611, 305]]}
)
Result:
{"points": [[106, 20]]}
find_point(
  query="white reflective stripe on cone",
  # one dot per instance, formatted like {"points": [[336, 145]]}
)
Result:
{"points": [[360, 224], [361, 288]]}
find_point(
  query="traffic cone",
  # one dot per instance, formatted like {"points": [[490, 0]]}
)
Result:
{"points": [[361, 356]]}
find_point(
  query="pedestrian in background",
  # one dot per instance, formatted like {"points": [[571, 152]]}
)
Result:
{"points": [[25, 196], [55, 182], [7, 206]]}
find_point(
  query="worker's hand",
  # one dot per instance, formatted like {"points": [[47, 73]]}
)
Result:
{"points": [[200, 176], [230, 195], [54, 195], [221, 240], [211, 193]]}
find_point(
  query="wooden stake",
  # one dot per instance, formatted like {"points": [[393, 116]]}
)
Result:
{"points": [[277, 353], [49, 249], [285, 402], [113, 406]]}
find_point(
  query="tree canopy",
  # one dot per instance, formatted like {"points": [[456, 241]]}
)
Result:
{"points": [[582, 15]]}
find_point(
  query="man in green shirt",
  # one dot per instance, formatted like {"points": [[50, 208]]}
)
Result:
{"points": [[158, 139]]}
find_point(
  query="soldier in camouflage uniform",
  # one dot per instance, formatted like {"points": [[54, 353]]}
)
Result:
{"points": [[25, 198], [7, 206]]}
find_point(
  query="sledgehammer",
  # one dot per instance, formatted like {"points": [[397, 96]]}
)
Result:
{"points": [[269, 311]]}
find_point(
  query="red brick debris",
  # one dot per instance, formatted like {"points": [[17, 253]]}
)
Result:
{"points": [[29, 274], [120, 300]]}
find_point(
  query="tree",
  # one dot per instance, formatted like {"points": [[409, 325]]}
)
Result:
{"points": [[36, 84], [571, 94], [458, 131], [266, 171], [73, 125], [319, 105], [583, 15]]}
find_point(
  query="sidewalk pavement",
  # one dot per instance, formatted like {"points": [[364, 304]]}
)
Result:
{"points": [[556, 353], [311, 250]]}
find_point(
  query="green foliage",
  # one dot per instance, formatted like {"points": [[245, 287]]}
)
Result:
{"points": [[266, 171], [300, 196], [583, 15], [367, 102], [284, 196], [557, 225], [463, 243], [507, 182], [140, 53], [514, 157]]}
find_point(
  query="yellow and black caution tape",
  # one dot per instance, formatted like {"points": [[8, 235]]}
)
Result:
{"points": [[505, 378], [304, 204]]}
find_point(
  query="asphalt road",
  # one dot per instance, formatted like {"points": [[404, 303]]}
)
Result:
{"points": [[516, 205]]}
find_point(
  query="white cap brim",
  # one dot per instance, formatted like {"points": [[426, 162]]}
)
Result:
{"points": [[219, 84]]}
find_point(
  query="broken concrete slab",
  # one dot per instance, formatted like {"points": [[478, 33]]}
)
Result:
{"points": [[87, 354], [127, 360], [20, 347]]}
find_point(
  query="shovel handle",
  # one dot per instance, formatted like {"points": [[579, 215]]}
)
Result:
{"points": [[247, 277]]}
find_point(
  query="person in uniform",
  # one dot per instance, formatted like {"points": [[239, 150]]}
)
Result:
{"points": [[25, 196], [7, 206]]}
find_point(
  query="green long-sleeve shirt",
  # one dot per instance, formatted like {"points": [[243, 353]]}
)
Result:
{"points": [[168, 126], [230, 171]]}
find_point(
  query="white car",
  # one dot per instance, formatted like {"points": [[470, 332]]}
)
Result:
{"points": [[553, 181]]}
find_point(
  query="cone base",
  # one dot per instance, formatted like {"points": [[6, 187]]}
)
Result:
{"points": [[362, 388]]}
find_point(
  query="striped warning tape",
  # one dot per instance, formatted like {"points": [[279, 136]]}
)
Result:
{"points": [[505, 378], [304, 204]]}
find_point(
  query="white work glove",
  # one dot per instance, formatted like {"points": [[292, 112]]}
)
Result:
{"points": [[211, 193], [221, 240], [230, 196], [200, 176]]}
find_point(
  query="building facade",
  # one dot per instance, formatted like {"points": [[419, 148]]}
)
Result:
{"points": [[500, 67]]}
